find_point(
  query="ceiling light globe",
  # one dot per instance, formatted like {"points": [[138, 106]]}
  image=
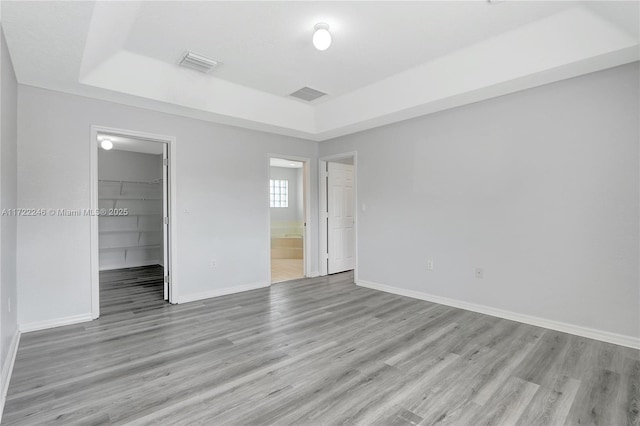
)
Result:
{"points": [[322, 37], [106, 144]]}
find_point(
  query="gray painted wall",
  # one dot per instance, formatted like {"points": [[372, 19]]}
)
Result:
{"points": [[222, 200], [540, 188], [8, 200]]}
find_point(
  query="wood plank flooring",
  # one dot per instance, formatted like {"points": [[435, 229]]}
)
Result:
{"points": [[286, 270], [310, 352], [131, 290]]}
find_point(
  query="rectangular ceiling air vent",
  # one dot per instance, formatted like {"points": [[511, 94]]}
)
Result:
{"points": [[307, 94], [198, 62]]}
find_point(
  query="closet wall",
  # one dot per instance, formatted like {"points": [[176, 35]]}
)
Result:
{"points": [[131, 181]]}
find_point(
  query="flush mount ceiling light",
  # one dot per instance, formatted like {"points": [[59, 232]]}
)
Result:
{"points": [[322, 36], [106, 144]]}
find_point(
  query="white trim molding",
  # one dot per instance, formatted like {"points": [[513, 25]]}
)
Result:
{"points": [[170, 141], [53, 323], [7, 369], [591, 333], [222, 292]]}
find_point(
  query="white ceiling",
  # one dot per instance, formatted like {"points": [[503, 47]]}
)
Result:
{"points": [[278, 57], [389, 61]]}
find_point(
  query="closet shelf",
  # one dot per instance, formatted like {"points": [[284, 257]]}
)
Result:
{"points": [[132, 215], [143, 202], [127, 231], [155, 246], [136, 182], [131, 198]]}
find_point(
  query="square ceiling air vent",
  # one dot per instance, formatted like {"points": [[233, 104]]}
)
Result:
{"points": [[198, 62], [307, 94]]}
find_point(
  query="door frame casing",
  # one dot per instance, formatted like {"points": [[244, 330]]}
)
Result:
{"points": [[306, 179], [322, 209], [170, 141]]}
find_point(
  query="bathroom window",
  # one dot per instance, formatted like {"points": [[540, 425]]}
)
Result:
{"points": [[279, 193]]}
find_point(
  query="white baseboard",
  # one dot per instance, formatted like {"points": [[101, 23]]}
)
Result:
{"points": [[58, 322], [313, 274], [221, 292], [591, 333], [7, 369]]}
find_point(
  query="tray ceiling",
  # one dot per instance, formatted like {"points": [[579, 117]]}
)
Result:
{"points": [[389, 61]]}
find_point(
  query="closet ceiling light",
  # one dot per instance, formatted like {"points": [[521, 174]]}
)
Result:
{"points": [[106, 144]]}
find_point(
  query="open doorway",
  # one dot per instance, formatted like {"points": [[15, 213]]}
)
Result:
{"points": [[130, 233], [338, 223], [288, 211]]}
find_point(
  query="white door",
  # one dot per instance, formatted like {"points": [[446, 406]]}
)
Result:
{"points": [[341, 237], [165, 219]]}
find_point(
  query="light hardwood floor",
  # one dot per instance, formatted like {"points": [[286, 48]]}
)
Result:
{"points": [[309, 352], [286, 269]]}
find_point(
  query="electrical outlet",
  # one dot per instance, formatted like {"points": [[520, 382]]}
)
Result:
{"points": [[479, 273], [214, 264], [429, 265]]}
